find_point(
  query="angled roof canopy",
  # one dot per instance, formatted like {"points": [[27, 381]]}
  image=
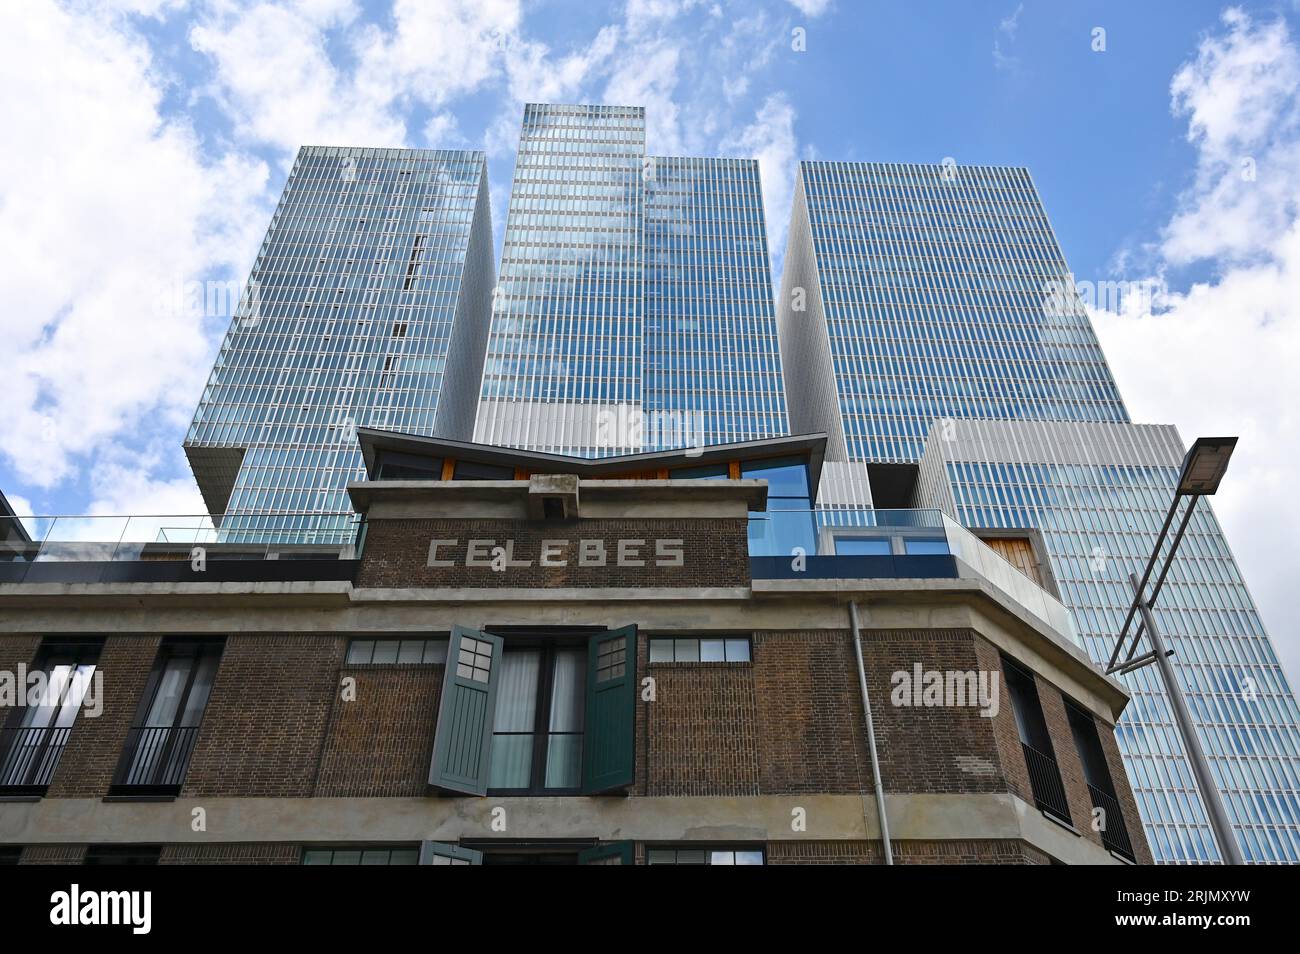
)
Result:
{"points": [[810, 446]]}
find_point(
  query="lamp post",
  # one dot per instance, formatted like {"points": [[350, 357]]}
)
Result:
{"points": [[1203, 468]]}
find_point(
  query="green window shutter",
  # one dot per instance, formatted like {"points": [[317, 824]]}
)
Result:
{"points": [[462, 743], [441, 853], [609, 748], [610, 853]]}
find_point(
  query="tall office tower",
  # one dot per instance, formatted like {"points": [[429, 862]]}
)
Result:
{"points": [[634, 309], [368, 305], [923, 327]]}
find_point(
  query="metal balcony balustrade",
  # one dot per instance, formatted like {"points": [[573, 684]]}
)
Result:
{"points": [[1045, 780], [28, 757], [155, 758], [1114, 834]]}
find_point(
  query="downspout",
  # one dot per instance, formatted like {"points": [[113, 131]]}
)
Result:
{"points": [[871, 733]]}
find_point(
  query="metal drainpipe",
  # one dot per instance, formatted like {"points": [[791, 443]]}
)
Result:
{"points": [[871, 733]]}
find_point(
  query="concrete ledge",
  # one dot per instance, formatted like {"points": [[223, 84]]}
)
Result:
{"points": [[663, 819]]}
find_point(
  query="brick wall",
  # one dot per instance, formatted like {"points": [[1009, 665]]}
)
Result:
{"points": [[264, 727], [925, 748], [812, 737], [90, 758], [380, 743], [53, 855], [18, 650], [715, 552], [266, 853], [991, 852], [971, 852], [703, 730]]}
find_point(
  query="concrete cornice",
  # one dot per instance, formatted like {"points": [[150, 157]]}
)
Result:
{"points": [[912, 817]]}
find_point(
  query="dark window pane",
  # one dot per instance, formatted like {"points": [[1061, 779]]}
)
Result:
{"points": [[395, 466], [471, 470], [708, 472]]}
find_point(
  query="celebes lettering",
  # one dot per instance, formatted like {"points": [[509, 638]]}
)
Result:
{"points": [[499, 556]]}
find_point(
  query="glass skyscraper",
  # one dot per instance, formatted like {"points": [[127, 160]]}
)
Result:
{"points": [[367, 305], [634, 309], [922, 329]]}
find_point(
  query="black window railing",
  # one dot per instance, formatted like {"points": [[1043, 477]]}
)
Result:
{"points": [[1045, 780], [1114, 835], [155, 758], [29, 756]]}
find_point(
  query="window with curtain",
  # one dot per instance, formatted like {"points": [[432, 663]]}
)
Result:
{"points": [[538, 725]]}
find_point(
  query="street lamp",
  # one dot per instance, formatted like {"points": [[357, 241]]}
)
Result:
{"points": [[1203, 468]]}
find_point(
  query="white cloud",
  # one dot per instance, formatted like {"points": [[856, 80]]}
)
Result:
{"points": [[771, 139], [1011, 23], [811, 8], [1008, 27], [442, 132], [1220, 356], [104, 203], [648, 77], [21, 506], [275, 79]]}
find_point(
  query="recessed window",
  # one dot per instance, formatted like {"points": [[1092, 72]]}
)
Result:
{"points": [[361, 856], [540, 714], [396, 466], [405, 651], [704, 856], [707, 649], [34, 738], [159, 744]]}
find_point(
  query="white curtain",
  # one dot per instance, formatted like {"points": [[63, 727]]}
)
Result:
{"points": [[568, 701], [512, 754]]}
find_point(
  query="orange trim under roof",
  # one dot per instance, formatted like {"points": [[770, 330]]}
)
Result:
{"points": [[448, 468]]}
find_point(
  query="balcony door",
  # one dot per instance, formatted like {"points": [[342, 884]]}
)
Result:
{"points": [[159, 745]]}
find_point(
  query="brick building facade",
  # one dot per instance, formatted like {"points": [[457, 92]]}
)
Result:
{"points": [[679, 703]]}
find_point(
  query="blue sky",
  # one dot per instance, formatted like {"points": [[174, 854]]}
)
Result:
{"points": [[147, 141]]}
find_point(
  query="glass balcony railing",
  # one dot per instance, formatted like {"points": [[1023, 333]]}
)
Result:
{"points": [[93, 548], [881, 544]]}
